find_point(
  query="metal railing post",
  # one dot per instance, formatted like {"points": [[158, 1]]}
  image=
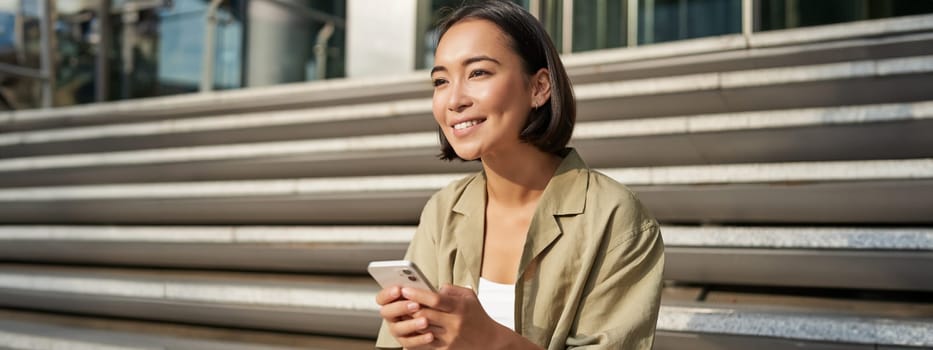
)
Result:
{"points": [[104, 35], [47, 51], [649, 21], [748, 20], [207, 62], [602, 28], [566, 31], [632, 24], [130, 17], [19, 35]]}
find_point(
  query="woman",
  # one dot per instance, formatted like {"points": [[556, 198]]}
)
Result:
{"points": [[560, 256]]}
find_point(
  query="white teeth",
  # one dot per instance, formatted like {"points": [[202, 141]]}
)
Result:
{"points": [[466, 124]]}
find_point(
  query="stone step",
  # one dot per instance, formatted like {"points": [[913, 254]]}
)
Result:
{"points": [[301, 304], [823, 257], [877, 191], [727, 53], [41, 331], [343, 306], [316, 249], [814, 257], [734, 328], [886, 131], [882, 38], [891, 80]]}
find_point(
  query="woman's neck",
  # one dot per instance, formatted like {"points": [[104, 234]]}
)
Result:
{"points": [[518, 177]]}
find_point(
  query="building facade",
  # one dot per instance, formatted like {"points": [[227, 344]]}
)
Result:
{"points": [[66, 52]]}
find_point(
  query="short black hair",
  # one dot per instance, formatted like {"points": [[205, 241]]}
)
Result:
{"points": [[550, 126]]}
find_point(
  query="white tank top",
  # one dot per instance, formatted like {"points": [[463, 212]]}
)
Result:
{"points": [[498, 300]]}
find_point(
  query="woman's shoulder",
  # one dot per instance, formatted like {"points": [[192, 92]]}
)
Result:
{"points": [[610, 199], [614, 190]]}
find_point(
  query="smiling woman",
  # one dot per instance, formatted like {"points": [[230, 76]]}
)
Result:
{"points": [[509, 76], [559, 256]]}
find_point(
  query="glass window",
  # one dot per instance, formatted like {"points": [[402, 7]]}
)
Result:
{"points": [[293, 41], [599, 24], [19, 47], [668, 20], [180, 37], [782, 14], [73, 58], [430, 14], [154, 49], [551, 15], [327, 56]]}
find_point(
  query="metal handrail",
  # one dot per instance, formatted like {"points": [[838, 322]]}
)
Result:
{"points": [[21, 71], [46, 74], [320, 49]]}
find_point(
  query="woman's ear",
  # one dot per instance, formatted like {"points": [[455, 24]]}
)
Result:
{"points": [[540, 88]]}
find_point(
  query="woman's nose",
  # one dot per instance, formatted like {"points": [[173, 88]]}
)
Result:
{"points": [[458, 99]]}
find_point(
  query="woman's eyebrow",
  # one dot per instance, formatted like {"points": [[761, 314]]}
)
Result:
{"points": [[475, 59], [466, 62]]}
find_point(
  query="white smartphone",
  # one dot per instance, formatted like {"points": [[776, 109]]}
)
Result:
{"points": [[401, 273]]}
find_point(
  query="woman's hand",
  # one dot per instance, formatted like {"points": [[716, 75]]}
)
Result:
{"points": [[411, 332], [458, 321]]}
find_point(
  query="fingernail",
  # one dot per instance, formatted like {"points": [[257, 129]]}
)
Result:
{"points": [[395, 293], [422, 323], [412, 306], [406, 293]]}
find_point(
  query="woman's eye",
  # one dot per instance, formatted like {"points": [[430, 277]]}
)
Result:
{"points": [[477, 73], [438, 82]]}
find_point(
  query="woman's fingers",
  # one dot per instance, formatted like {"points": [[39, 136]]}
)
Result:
{"points": [[416, 341], [401, 308], [438, 321], [424, 297], [388, 295], [410, 332], [409, 328]]}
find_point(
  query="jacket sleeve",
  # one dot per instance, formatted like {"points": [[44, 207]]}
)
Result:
{"points": [[421, 251], [620, 310]]}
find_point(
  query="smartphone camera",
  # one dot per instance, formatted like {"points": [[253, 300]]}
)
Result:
{"points": [[408, 273]]}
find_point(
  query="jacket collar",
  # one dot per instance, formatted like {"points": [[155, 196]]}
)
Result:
{"points": [[564, 195]]}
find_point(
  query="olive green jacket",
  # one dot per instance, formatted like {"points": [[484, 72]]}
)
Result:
{"points": [[590, 272]]}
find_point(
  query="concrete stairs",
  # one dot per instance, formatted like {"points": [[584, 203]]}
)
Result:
{"points": [[792, 172]]}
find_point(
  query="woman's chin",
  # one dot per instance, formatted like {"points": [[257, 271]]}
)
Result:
{"points": [[469, 158], [467, 155]]}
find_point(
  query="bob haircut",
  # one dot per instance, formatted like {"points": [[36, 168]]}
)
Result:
{"points": [[550, 126]]}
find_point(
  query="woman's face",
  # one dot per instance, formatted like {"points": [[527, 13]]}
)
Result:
{"points": [[482, 96]]}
